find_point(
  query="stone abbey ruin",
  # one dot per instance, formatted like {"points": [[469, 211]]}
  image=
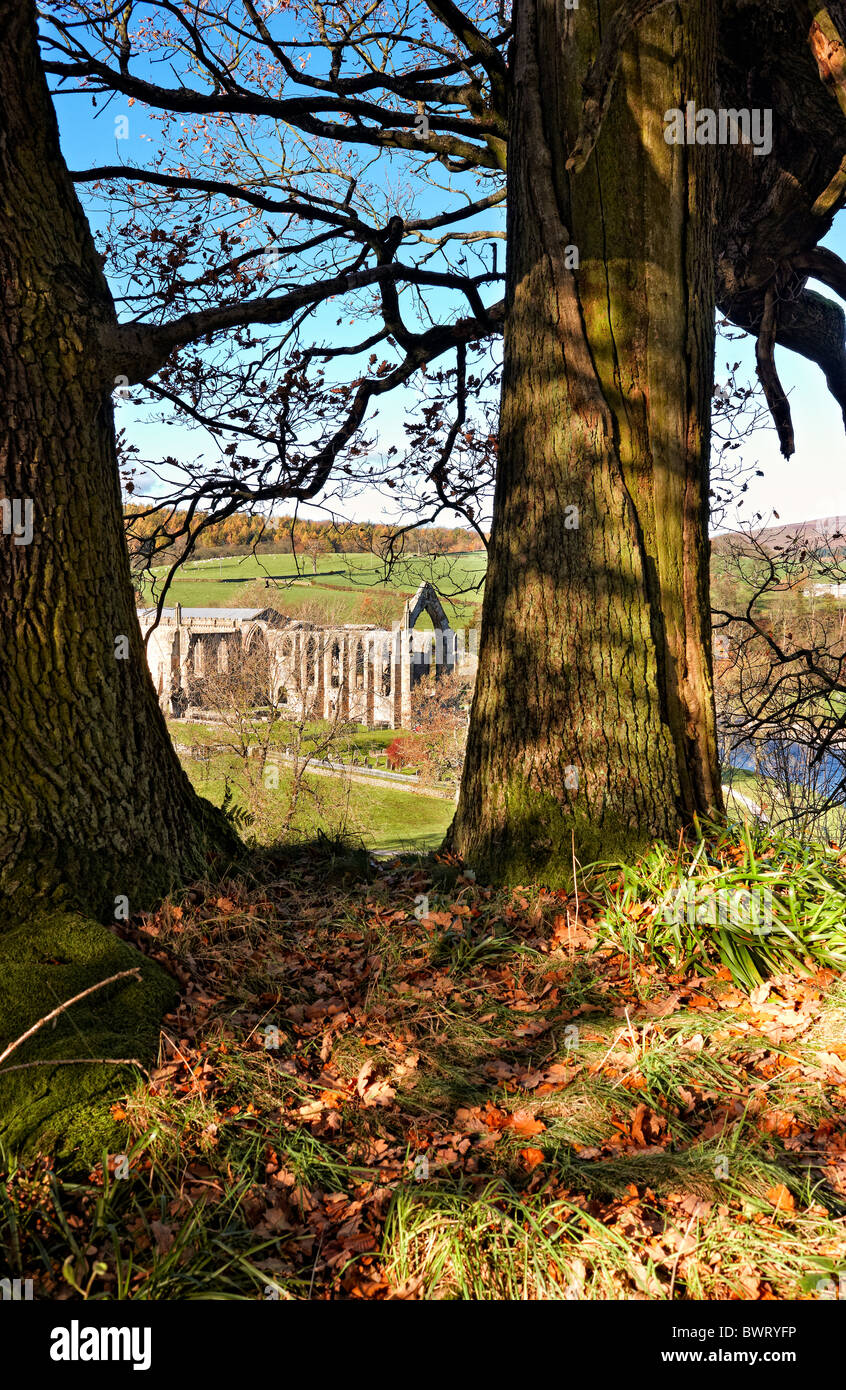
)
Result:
{"points": [[352, 671]]}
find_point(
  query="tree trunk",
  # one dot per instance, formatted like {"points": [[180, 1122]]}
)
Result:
{"points": [[593, 724], [94, 805]]}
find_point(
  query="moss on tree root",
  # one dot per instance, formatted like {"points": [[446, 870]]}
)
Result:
{"points": [[64, 1110], [538, 835]]}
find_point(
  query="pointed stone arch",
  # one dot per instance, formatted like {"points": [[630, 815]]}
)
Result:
{"points": [[255, 637], [426, 600], [413, 664]]}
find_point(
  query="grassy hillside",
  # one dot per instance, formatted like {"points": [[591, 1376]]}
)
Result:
{"points": [[379, 816], [347, 586]]}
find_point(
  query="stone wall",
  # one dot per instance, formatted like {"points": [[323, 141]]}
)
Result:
{"points": [[358, 672]]}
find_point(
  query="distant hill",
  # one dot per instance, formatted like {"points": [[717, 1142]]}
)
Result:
{"points": [[815, 534]]}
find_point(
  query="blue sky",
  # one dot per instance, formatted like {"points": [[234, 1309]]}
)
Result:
{"points": [[88, 137], [811, 484]]}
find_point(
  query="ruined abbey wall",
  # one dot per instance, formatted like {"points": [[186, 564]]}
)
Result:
{"points": [[357, 672]]}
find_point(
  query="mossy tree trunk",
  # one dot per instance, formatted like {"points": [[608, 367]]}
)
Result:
{"points": [[93, 803], [593, 720]]}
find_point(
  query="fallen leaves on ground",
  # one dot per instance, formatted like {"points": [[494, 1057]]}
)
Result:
{"points": [[456, 1049]]}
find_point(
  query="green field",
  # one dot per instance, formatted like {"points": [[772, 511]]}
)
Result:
{"points": [[382, 817], [356, 740], [342, 585]]}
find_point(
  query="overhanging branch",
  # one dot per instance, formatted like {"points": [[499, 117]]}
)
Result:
{"points": [[768, 376], [137, 350]]}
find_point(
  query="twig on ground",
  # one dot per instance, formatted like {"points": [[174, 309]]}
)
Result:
{"points": [[121, 975], [78, 1062]]}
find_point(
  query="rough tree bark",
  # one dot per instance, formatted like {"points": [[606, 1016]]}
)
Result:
{"points": [[593, 721], [93, 802]]}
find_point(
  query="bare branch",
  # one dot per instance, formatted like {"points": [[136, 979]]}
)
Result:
{"points": [[78, 1062], [768, 376], [139, 349], [135, 972], [239, 192], [479, 46]]}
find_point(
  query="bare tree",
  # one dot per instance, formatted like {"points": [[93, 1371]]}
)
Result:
{"points": [[248, 707], [781, 664], [268, 725], [309, 744], [440, 713]]}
